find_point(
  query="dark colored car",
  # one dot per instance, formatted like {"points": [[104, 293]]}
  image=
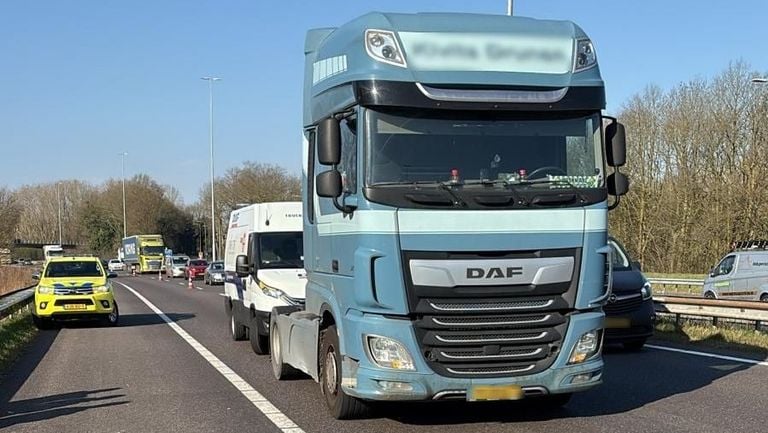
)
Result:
{"points": [[629, 313], [195, 268]]}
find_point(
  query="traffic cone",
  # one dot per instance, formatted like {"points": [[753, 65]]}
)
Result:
{"points": [[133, 270], [189, 286], [160, 275]]}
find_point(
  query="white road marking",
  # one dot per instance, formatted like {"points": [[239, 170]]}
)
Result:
{"points": [[269, 410], [709, 355]]}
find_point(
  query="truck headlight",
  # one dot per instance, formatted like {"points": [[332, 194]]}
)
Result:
{"points": [[587, 347], [584, 57], [271, 291], [100, 289], [646, 291], [45, 290], [382, 45], [389, 353]]}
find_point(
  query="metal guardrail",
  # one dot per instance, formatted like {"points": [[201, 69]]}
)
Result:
{"points": [[716, 310], [16, 302], [677, 281], [690, 287]]}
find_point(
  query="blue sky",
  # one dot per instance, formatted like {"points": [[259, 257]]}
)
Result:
{"points": [[81, 81]]}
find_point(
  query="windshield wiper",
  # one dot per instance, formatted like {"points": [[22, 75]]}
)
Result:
{"points": [[445, 186]]}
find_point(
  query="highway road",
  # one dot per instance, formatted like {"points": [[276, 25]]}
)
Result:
{"points": [[148, 376]]}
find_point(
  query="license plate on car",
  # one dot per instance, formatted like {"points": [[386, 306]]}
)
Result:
{"points": [[503, 392], [74, 306], [617, 322]]}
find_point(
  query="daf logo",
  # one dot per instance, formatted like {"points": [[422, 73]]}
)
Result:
{"points": [[492, 273], [612, 299]]}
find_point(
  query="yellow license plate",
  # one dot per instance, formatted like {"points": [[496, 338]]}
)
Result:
{"points": [[74, 306], [617, 322], [504, 392]]}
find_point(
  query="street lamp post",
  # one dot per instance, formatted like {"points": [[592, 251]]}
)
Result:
{"points": [[125, 228], [58, 199], [210, 140]]}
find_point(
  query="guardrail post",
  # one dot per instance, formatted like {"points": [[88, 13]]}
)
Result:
{"points": [[714, 321], [677, 320]]}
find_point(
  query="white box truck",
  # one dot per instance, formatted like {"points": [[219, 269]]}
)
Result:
{"points": [[266, 239]]}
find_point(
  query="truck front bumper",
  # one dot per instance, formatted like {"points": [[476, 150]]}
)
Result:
{"points": [[366, 380]]}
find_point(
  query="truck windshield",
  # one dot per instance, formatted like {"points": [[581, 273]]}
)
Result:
{"points": [[73, 269], [281, 250], [152, 250], [416, 147]]}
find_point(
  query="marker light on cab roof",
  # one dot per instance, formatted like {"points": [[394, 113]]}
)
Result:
{"points": [[382, 45]]}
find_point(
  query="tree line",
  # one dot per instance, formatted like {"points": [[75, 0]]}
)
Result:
{"points": [[92, 215], [697, 158]]}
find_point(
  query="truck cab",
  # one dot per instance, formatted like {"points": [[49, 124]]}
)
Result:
{"points": [[457, 176]]}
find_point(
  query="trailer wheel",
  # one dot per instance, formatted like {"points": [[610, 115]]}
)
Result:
{"points": [[280, 369], [341, 405]]}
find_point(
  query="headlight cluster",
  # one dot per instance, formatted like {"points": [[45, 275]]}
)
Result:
{"points": [[585, 56], [383, 46], [271, 291], [101, 289], [389, 353], [587, 347], [44, 290], [646, 291]]}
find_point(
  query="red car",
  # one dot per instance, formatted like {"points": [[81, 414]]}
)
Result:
{"points": [[195, 269]]}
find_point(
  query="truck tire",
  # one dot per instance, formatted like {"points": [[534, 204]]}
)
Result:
{"points": [[764, 297], [280, 369], [709, 295], [341, 405], [236, 328], [259, 342]]}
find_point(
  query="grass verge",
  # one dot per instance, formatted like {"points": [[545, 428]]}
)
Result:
{"points": [[726, 338], [15, 333]]}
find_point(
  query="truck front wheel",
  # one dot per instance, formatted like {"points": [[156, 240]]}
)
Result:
{"points": [[341, 405]]}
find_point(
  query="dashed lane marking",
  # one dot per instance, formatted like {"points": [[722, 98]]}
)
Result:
{"points": [[269, 410]]}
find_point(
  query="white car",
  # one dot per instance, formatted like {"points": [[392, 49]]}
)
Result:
{"points": [[115, 265]]}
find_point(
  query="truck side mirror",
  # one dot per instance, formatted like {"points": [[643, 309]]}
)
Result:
{"points": [[618, 184], [36, 276], [616, 146], [242, 267], [329, 142], [328, 184]]}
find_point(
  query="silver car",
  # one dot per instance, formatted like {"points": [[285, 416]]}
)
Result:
{"points": [[741, 275], [214, 273], [176, 265]]}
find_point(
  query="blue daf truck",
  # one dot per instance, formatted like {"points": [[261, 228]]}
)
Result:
{"points": [[458, 173]]}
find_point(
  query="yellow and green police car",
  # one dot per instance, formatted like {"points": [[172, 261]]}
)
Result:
{"points": [[74, 288]]}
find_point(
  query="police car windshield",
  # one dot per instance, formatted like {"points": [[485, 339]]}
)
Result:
{"points": [[281, 250], [73, 269]]}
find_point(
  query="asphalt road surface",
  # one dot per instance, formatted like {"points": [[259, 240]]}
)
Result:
{"points": [[148, 376]]}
